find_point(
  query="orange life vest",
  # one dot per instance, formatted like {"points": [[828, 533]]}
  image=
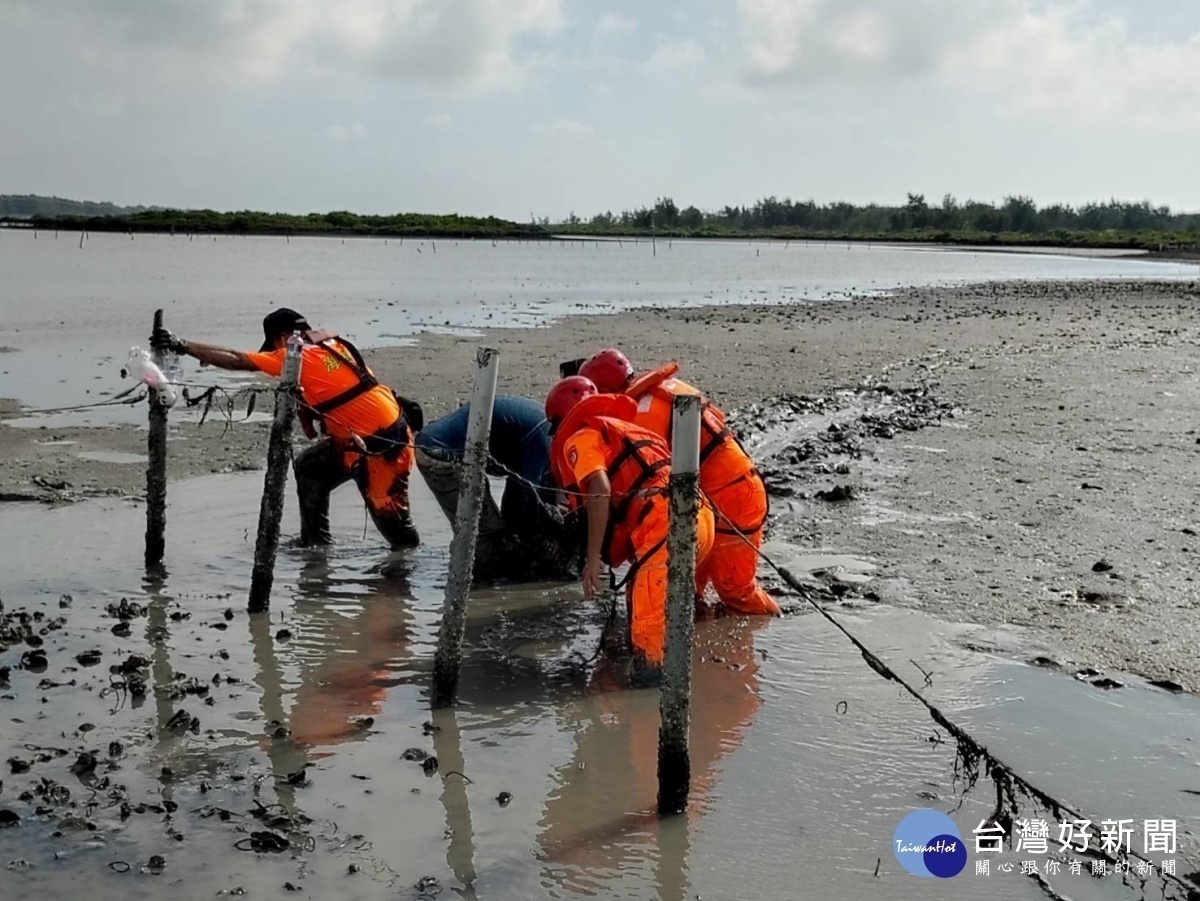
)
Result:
{"points": [[661, 383], [637, 464], [723, 460]]}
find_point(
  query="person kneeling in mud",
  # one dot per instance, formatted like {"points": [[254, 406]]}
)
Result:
{"points": [[369, 438], [728, 477], [526, 537], [620, 473]]}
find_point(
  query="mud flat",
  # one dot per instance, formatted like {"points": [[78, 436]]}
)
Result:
{"points": [[976, 479], [1059, 496], [158, 739]]}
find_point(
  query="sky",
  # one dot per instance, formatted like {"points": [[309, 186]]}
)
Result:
{"points": [[524, 108]]}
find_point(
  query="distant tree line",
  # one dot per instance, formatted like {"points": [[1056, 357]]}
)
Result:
{"points": [[27, 206], [1016, 220], [250, 222]]}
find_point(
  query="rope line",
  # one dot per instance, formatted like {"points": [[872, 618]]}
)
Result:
{"points": [[973, 759]]}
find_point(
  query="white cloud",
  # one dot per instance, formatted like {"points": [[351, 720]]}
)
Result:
{"points": [[1065, 59], [1047, 64], [818, 40], [461, 42], [675, 55], [343, 133], [561, 128], [439, 120], [614, 24]]}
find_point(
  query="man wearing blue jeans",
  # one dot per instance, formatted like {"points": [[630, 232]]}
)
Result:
{"points": [[525, 537]]}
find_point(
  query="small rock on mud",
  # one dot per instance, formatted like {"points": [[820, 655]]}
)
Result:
{"points": [[838, 494], [1167, 685]]}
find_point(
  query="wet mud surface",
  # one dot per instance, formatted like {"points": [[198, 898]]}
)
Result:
{"points": [[993, 485], [159, 739]]}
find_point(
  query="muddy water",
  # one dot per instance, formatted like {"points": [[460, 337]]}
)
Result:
{"points": [[795, 792]]}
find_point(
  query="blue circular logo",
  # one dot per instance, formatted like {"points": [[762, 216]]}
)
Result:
{"points": [[928, 843]]}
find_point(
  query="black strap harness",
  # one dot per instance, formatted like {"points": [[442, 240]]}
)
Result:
{"points": [[366, 381]]}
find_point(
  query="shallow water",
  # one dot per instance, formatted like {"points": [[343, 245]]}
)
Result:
{"points": [[72, 314], [793, 793]]}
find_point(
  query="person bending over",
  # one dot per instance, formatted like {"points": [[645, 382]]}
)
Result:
{"points": [[368, 437], [525, 538]]}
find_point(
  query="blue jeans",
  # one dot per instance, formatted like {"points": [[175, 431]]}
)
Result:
{"points": [[521, 539]]}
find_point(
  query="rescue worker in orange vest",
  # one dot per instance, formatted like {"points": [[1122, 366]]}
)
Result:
{"points": [[727, 476], [369, 437], [620, 473]]}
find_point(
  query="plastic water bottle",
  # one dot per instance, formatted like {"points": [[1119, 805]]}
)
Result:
{"points": [[173, 367], [142, 368]]}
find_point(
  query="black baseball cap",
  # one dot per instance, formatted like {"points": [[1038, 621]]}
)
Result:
{"points": [[282, 322]]}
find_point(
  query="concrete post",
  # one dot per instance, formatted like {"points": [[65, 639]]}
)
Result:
{"points": [[156, 468], [674, 766], [448, 659], [278, 454]]}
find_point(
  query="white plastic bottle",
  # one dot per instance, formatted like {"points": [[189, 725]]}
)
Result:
{"points": [[173, 367], [143, 369]]}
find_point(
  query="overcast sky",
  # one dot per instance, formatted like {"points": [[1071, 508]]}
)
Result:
{"points": [[516, 107]]}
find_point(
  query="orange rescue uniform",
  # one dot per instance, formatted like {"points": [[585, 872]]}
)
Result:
{"points": [[597, 436], [729, 481], [369, 440]]}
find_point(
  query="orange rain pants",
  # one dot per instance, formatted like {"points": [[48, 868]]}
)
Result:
{"points": [[732, 566], [647, 591], [735, 489]]}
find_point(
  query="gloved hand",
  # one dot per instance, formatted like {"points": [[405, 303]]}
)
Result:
{"points": [[164, 340]]}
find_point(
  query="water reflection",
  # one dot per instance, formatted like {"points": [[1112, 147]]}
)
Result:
{"points": [[599, 823], [348, 643]]}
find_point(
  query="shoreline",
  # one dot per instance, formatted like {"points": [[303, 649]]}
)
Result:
{"points": [[1128, 242], [1076, 445]]}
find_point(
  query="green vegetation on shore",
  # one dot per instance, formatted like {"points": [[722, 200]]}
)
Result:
{"points": [[248, 222], [25, 206], [1017, 221]]}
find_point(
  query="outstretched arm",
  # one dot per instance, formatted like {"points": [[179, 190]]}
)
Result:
{"points": [[221, 357], [598, 490]]}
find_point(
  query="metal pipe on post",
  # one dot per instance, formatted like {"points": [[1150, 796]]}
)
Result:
{"points": [[448, 659], [156, 469], [278, 453], [675, 699]]}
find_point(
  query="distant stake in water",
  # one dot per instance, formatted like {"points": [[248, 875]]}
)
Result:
{"points": [[675, 699], [278, 452], [156, 469], [448, 659]]}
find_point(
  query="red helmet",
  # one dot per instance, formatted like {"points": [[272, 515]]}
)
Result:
{"points": [[565, 395], [609, 369]]}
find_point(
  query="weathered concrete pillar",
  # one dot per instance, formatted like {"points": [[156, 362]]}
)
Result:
{"points": [[278, 453], [156, 468], [675, 699], [473, 483]]}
